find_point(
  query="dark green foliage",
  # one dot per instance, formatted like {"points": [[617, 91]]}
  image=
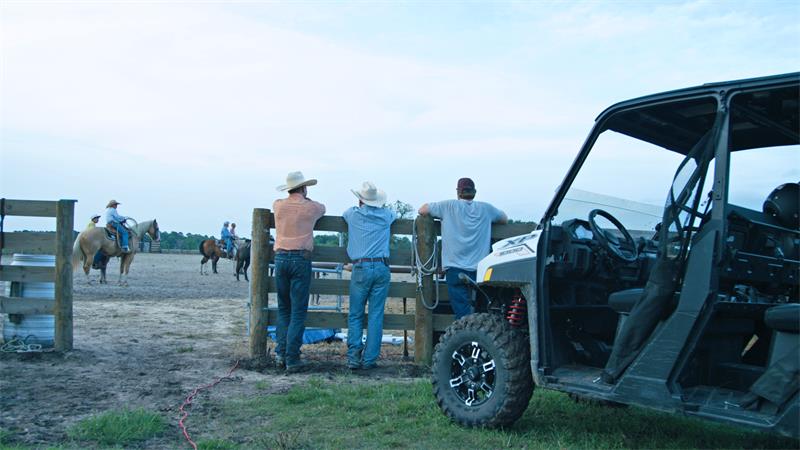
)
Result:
{"points": [[175, 240]]}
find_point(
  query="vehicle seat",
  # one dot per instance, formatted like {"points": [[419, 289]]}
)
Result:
{"points": [[623, 302], [785, 321]]}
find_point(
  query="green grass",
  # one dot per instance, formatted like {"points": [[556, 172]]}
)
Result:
{"points": [[216, 444], [185, 349], [343, 414], [119, 427]]}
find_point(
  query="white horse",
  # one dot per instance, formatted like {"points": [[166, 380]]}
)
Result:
{"points": [[94, 239]]}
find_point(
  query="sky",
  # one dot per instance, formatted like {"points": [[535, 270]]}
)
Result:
{"points": [[192, 112]]}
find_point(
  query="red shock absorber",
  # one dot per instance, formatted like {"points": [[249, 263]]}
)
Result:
{"points": [[517, 310]]}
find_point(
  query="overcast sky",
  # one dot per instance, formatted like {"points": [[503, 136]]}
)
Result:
{"points": [[193, 112]]}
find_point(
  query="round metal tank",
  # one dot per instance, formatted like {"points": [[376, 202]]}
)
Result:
{"points": [[35, 328]]}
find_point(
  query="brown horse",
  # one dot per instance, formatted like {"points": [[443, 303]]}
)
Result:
{"points": [[243, 259], [93, 240], [210, 249]]}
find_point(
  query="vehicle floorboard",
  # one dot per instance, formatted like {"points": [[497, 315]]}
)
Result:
{"points": [[580, 376], [713, 401]]}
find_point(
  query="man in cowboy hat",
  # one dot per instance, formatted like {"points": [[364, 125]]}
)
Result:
{"points": [[115, 220], [368, 227], [295, 217], [466, 239], [93, 222]]}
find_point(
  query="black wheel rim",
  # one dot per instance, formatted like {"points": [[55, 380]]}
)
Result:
{"points": [[472, 374]]}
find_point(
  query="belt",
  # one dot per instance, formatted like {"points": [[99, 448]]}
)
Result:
{"points": [[306, 253], [360, 260]]}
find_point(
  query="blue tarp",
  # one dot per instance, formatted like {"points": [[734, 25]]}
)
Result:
{"points": [[311, 335]]}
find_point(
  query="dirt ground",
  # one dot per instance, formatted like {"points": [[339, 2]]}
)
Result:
{"points": [[149, 345]]}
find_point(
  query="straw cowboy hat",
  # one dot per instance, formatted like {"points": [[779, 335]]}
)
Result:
{"points": [[370, 195], [112, 203], [296, 180]]}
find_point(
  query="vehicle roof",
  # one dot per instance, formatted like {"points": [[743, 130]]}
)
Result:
{"points": [[676, 120]]}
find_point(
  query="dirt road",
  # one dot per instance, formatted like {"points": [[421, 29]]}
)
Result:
{"points": [[149, 345]]}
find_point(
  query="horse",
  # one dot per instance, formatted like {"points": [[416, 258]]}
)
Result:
{"points": [[210, 249], [90, 241], [243, 259]]}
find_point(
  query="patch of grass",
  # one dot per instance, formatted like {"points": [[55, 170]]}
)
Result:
{"points": [[261, 385], [119, 427], [185, 349], [216, 444], [5, 436], [344, 414]]}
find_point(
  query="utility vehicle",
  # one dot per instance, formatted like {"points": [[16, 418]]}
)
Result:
{"points": [[688, 306]]}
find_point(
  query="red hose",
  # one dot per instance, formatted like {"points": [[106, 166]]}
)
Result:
{"points": [[191, 396]]}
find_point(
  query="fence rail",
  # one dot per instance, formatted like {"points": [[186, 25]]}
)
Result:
{"points": [[58, 243]]}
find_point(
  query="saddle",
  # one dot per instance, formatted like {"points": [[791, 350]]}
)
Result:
{"points": [[111, 233]]}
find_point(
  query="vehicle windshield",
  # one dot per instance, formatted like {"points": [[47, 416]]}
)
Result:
{"points": [[627, 178], [636, 161]]}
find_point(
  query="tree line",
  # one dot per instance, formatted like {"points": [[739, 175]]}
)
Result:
{"points": [[175, 240]]}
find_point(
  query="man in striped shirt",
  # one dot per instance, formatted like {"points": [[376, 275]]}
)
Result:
{"points": [[368, 227]]}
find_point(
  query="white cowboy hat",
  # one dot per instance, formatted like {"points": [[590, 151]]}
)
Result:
{"points": [[296, 180], [111, 203], [370, 195]]}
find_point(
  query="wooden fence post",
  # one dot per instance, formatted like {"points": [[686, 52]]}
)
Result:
{"points": [[423, 320], [261, 253], [62, 308]]}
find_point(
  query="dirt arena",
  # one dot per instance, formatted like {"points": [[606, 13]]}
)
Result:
{"points": [[149, 345]]}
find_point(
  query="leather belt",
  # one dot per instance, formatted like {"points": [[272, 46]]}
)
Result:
{"points": [[360, 260]]}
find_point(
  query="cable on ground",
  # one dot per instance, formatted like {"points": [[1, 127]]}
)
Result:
{"points": [[18, 345], [190, 398]]}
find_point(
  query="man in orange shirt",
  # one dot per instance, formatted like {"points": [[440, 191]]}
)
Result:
{"points": [[295, 217]]}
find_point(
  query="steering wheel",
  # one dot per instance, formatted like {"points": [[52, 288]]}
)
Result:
{"points": [[609, 241]]}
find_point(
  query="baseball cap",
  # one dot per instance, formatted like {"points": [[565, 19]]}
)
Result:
{"points": [[465, 184]]}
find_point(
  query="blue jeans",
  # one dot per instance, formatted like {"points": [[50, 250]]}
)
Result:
{"points": [[123, 234], [228, 246], [368, 284], [293, 280], [459, 292]]}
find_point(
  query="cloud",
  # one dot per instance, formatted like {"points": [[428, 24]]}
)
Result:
{"points": [[213, 103]]}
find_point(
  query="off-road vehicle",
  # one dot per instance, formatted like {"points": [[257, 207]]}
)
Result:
{"points": [[690, 307]]}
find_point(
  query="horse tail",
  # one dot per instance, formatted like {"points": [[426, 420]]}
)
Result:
{"points": [[77, 253], [202, 244]]}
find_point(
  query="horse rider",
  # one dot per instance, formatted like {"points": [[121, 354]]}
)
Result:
{"points": [[226, 237], [234, 237], [115, 221], [93, 222]]}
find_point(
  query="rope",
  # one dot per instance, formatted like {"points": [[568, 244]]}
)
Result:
{"points": [[18, 345], [191, 396], [421, 269]]}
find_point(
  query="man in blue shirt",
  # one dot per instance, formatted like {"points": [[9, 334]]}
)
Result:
{"points": [[466, 239], [115, 220], [368, 227], [226, 237]]}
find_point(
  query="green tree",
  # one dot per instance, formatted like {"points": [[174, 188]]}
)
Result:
{"points": [[404, 210]]}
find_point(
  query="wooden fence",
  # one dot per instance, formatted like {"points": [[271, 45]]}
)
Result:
{"points": [[58, 244], [423, 321]]}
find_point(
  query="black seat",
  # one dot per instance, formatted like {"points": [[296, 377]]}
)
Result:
{"points": [[623, 301], [784, 318]]}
